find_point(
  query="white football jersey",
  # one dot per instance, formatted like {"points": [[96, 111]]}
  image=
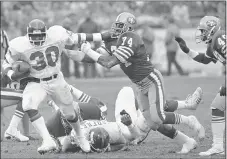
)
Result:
{"points": [[44, 60], [118, 132]]}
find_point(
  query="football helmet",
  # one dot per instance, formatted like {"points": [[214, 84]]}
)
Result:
{"points": [[36, 32], [99, 139], [124, 22], [208, 26]]}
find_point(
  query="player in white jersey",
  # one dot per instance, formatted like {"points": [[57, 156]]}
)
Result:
{"points": [[14, 94], [130, 124], [42, 48]]}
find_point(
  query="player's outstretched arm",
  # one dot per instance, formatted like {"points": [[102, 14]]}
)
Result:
{"points": [[105, 61], [93, 36], [199, 57], [78, 56]]}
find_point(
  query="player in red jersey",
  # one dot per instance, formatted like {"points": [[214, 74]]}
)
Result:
{"points": [[134, 61], [209, 32]]}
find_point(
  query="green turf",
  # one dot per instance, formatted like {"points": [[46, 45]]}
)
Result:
{"points": [[156, 145]]}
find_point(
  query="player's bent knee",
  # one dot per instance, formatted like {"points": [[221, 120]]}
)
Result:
{"points": [[33, 114]]}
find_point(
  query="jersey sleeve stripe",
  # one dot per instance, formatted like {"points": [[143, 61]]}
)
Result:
{"points": [[127, 48], [121, 58], [97, 37], [122, 54], [125, 52], [83, 36]]}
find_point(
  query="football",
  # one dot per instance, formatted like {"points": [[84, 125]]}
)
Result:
{"points": [[21, 66]]}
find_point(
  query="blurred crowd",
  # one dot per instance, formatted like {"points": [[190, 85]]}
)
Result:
{"points": [[91, 17]]}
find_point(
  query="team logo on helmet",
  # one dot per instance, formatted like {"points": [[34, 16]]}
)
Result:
{"points": [[131, 20], [211, 23]]}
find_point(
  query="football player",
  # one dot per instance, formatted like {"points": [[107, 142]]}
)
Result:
{"points": [[134, 61], [10, 96], [13, 95], [130, 124], [209, 31], [41, 49]]}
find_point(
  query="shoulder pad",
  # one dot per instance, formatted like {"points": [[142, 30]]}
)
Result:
{"points": [[20, 44], [56, 32]]}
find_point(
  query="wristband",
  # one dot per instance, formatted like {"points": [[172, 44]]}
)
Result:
{"points": [[94, 55], [193, 53], [10, 73]]}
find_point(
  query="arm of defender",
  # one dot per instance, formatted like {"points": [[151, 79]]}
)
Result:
{"points": [[105, 61], [79, 56], [199, 57]]}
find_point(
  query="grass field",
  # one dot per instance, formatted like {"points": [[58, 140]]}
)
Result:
{"points": [[156, 145]]}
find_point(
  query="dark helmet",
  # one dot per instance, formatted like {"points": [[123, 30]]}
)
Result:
{"points": [[36, 32], [124, 22], [99, 139]]}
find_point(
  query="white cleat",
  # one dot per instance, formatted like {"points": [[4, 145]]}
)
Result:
{"points": [[84, 144], [213, 151], [14, 134], [47, 146], [192, 101], [197, 127], [188, 146]]}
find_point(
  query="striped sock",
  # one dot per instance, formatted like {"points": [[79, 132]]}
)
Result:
{"points": [[181, 119], [84, 98], [17, 117], [218, 127]]}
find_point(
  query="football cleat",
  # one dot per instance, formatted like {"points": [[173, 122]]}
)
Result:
{"points": [[216, 149], [197, 127], [15, 135], [47, 146], [192, 101], [188, 146], [84, 144]]}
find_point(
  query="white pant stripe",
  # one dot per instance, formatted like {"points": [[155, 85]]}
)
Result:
{"points": [[161, 96]]}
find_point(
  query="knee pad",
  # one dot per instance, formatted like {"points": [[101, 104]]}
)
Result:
{"points": [[218, 112], [33, 114], [167, 130]]}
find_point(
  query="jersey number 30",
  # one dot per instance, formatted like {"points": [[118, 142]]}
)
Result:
{"points": [[51, 54]]}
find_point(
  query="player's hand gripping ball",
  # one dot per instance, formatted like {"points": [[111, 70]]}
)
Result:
{"points": [[21, 70], [21, 66]]}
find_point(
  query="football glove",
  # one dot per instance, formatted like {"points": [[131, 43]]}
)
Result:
{"points": [[182, 44], [222, 91], [125, 118]]}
